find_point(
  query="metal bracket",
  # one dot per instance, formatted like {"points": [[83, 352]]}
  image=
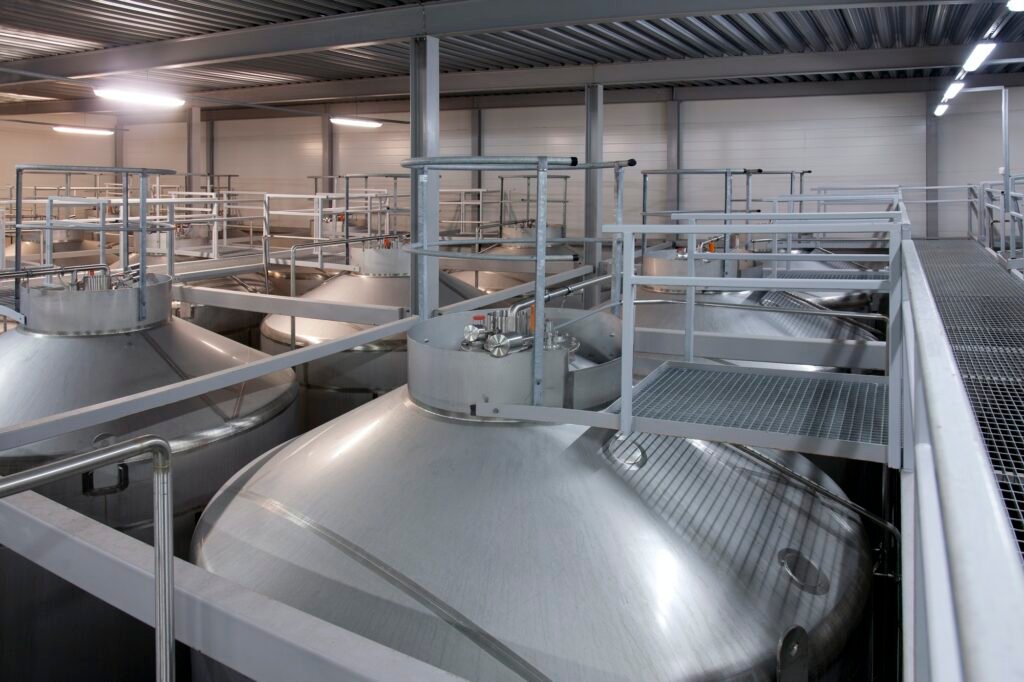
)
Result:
{"points": [[793, 658], [89, 489]]}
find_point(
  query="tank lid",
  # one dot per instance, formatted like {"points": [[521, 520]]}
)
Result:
{"points": [[464, 362], [54, 308], [388, 260]]}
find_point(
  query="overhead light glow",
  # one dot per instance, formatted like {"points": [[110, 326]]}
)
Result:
{"points": [[140, 97], [953, 90], [357, 122], [82, 131], [941, 109], [1015, 5], [978, 56]]}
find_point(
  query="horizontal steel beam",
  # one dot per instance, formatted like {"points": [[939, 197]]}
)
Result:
{"points": [[261, 638], [451, 17], [631, 73], [361, 106], [286, 305]]}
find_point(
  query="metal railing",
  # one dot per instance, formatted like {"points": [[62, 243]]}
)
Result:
{"points": [[163, 521], [963, 581]]}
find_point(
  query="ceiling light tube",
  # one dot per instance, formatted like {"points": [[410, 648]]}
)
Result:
{"points": [[978, 56], [941, 109], [140, 97], [953, 90], [357, 122], [82, 131], [1015, 5]]}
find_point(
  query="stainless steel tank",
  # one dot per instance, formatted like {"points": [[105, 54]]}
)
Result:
{"points": [[336, 384], [489, 278], [240, 325], [672, 262], [78, 348], [741, 313], [501, 550], [66, 253]]}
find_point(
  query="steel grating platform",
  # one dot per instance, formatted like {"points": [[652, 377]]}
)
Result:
{"points": [[832, 274], [982, 309], [839, 415]]}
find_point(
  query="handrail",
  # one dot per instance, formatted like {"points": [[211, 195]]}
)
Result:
{"points": [[973, 579], [163, 522]]}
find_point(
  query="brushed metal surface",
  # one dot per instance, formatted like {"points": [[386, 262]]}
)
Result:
{"points": [[212, 438], [502, 551], [53, 309]]}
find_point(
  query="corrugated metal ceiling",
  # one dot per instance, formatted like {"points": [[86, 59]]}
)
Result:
{"points": [[26, 30]]}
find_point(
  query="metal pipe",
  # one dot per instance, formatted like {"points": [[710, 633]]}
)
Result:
{"points": [[163, 522], [531, 161], [557, 293]]}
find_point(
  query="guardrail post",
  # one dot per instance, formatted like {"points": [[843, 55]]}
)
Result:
{"points": [[163, 523], [541, 239]]}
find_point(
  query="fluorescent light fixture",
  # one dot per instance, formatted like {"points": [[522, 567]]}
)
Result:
{"points": [[140, 97], [1015, 5], [82, 131], [978, 56], [941, 109], [357, 122], [953, 90]]}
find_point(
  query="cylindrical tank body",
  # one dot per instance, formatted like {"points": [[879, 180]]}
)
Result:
{"points": [[489, 278], [79, 348], [499, 550], [740, 313], [66, 253], [336, 384], [240, 325]]}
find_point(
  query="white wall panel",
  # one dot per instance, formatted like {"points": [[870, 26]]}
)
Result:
{"points": [[157, 145], [20, 143], [971, 150], [382, 150], [856, 140]]}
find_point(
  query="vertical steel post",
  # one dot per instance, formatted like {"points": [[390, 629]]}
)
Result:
{"points": [[163, 563], [126, 212], [691, 291], [194, 162], [541, 238], [645, 183], [348, 247], [424, 88], [170, 240], [931, 168], [628, 244], [1007, 219], [143, 196], [617, 253], [102, 216], [594, 96], [18, 180]]}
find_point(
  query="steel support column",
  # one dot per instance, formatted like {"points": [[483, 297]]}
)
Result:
{"points": [[476, 123], [592, 190], [675, 154], [425, 138], [210, 147], [119, 142], [931, 165], [326, 149], [195, 160]]}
